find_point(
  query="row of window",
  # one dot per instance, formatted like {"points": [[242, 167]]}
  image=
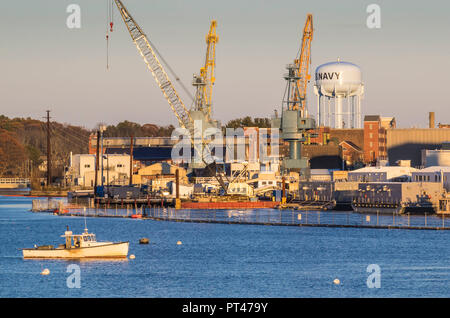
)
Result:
{"points": [[437, 178], [118, 166]]}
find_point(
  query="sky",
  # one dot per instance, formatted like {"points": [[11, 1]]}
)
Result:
{"points": [[46, 65]]}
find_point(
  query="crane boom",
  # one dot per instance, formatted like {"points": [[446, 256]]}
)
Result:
{"points": [[145, 49], [205, 80], [148, 54], [302, 63], [210, 62]]}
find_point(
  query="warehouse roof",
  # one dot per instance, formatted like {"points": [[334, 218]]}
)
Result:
{"points": [[435, 169], [144, 153], [372, 118], [383, 169]]}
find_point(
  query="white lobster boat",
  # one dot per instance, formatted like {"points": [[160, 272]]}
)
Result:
{"points": [[79, 246]]}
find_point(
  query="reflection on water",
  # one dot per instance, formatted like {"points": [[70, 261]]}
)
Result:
{"points": [[82, 260]]}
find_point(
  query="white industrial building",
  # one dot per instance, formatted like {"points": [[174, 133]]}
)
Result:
{"points": [[381, 174], [438, 157], [116, 169], [320, 175], [433, 174]]}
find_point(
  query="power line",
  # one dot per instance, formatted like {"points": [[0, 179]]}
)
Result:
{"points": [[62, 133], [72, 130], [74, 143]]}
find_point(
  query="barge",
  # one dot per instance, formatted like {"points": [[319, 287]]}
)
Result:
{"points": [[398, 197]]}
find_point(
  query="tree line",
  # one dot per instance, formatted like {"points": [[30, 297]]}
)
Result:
{"points": [[23, 141]]}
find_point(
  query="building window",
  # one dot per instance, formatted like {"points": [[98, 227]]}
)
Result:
{"points": [[120, 165], [87, 166], [370, 135]]}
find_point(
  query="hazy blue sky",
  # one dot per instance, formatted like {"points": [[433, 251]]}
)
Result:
{"points": [[45, 65]]}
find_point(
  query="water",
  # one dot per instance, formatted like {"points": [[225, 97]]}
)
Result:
{"points": [[220, 260]]}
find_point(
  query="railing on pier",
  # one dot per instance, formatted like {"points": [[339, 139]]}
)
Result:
{"points": [[14, 180], [303, 218], [267, 217], [12, 183]]}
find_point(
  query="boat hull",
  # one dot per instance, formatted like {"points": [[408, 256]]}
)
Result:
{"points": [[113, 250], [378, 208]]}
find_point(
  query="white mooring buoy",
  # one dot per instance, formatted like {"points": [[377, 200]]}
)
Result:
{"points": [[45, 272], [179, 243]]}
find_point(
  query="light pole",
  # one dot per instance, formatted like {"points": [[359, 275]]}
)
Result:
{"points": [[343, 158], [107, 168], [102, 129]]}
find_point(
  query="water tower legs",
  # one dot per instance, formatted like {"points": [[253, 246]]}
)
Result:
{"points": [[338, 114]]}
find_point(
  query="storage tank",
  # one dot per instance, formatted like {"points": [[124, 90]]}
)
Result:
{"points": [[339, 80]]}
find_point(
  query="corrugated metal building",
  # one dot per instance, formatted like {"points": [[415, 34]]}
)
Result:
{"points": [[438, 157], [408, 143]]}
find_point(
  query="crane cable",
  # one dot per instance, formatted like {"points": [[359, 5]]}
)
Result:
{"points": [[177, 78], [110, 21], [109, 28]]}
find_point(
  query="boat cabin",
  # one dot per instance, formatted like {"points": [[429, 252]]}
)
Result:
{"points": [[79, 240]]}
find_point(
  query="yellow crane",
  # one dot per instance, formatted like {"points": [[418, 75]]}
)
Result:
{"points": [[205, 80], [302, 63], [294, 122], [210, 62]]}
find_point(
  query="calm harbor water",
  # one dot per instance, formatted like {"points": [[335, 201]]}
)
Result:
{"points": [[221, 260]]}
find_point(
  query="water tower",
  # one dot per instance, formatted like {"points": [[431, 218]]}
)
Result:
{"points": [[342, 82]]}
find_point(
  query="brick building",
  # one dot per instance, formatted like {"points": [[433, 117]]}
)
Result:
{"points": [[374, 139]]}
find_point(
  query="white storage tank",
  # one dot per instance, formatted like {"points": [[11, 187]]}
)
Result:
{"points": [[339, 80]]}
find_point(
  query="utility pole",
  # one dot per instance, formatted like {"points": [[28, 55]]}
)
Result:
{"points": [[49, 161], [177, 190], [102, 129], [131, 159], [97, 159]]}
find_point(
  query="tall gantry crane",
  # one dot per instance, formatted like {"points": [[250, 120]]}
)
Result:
{"points": [[185, 118], [302, 63], [295, 123], [204, 82]]}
